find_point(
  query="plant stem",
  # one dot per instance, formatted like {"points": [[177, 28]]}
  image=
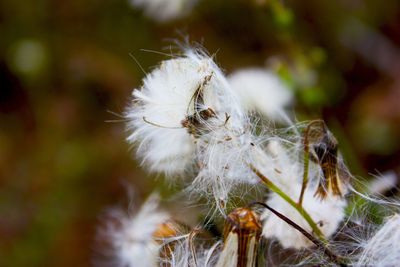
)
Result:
{"points": [[335, 258], [268, 183], [306, 165], [307, 158]]}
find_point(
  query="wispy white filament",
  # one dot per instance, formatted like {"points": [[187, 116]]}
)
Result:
{"points": [[225, 160], [383, 248], [187, 252], [383, 183], [279, 160]]}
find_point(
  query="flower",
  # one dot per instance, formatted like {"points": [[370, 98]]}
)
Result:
{"points": [[186, 117], [164, 10], [326, 213], [132, 237], [262, 91], [160, 108]]}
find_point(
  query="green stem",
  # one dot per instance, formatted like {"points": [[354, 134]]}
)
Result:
{"points": [[306, 165], [332, 256], [295, 205]]}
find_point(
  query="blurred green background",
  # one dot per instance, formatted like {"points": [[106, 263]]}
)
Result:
{"points": [[66, 71]]}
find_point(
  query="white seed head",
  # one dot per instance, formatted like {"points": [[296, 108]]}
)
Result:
{"points": [[262, 91], [161, 105], [327, 214], [383, 248], [132, 242], [164, 10], [187, 117]]}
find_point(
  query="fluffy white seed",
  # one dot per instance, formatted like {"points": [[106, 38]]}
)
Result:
{"points": [[225, 160], [132, 242], [161, 105], [383, 248], [383, 183], [189, 252], [164, 10], [187, 117], [327, 214], [262, 91]]}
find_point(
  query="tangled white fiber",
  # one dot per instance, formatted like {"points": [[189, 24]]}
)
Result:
{"points": [[131, 235], [383, 249], [221, 135]]}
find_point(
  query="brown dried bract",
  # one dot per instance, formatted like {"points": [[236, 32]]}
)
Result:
{"points": [[325, 153], [244, 223], [168, 229], [243, 219], [165, 230], [195, 123]]}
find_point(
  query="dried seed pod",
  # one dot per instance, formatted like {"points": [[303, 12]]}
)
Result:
{"points": [[241, 236], [163, 235], [324, 151]]}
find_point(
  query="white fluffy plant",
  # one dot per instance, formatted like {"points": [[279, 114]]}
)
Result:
{"points": [[312, 178], [149, 236], [260, 90], [164, 10], [382, 249], [187, 120], [131, 237], [186, 252], [327, 213]]}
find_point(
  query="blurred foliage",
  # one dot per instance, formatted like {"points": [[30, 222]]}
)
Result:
{"points": [[65, 72]]}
